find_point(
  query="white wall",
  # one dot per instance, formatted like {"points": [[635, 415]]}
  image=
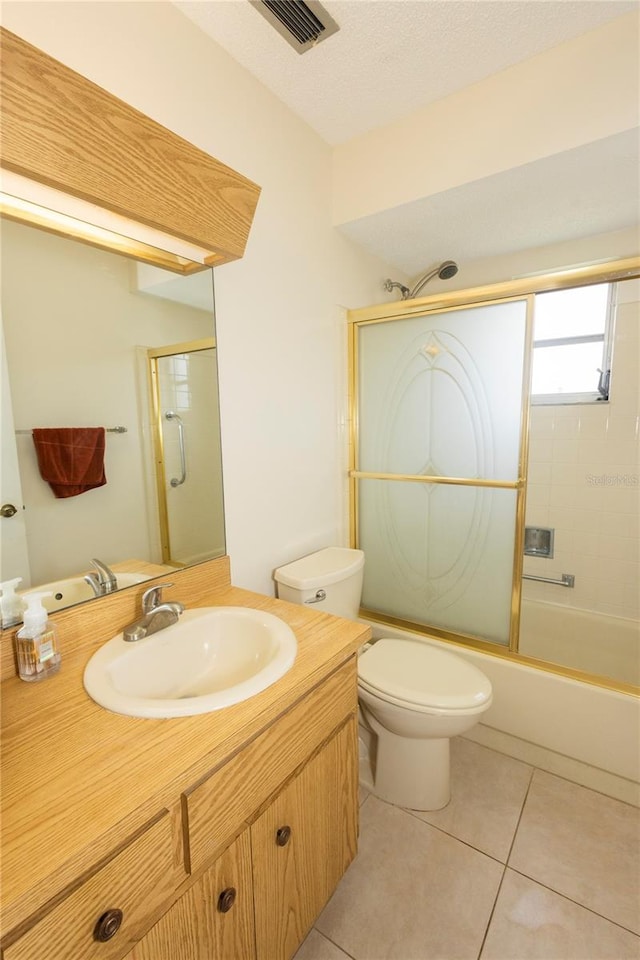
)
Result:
{"points": [[280, 343]]}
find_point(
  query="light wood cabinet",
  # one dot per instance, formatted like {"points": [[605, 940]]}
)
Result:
{"points": [[213, 920], [242, 874], [281, 870], [302, 844]]}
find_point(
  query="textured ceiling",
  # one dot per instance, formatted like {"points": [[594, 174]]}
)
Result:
{"points": [[392, 57], [552, 200]]}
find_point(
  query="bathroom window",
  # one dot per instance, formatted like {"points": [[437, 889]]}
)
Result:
{"points": [[572, 345]]}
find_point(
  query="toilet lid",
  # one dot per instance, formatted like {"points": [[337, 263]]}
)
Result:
{"points": [[418, 673]]}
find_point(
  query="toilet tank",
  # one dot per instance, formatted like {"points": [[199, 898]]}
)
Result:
{"points": [[335, 571]]}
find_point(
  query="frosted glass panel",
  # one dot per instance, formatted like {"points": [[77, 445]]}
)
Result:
{"points": [[439, 554], [441, 394]]}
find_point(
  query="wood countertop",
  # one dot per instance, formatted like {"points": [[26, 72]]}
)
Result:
{"points": [[78, 780]]}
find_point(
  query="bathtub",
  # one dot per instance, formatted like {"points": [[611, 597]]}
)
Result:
{"points": [[581, 639], [574, 729]]}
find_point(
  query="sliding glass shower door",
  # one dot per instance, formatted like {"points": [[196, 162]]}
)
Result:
{"points": [[437, 466]]}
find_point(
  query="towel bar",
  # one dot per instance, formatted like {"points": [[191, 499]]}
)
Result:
{"points": [[107, 430], [566, 579]]}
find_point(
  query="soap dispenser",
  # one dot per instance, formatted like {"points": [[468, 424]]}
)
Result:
{"points": [[36, 642], [11, 605]]}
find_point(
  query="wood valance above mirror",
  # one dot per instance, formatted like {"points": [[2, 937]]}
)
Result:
{"points": [[61, 130]]}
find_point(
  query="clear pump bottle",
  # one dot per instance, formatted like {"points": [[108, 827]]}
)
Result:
{"points": [[11, 605], [36, 642]]}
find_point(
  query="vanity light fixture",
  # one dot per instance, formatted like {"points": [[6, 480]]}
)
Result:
{"points": [[91, 157], [40, 206]]}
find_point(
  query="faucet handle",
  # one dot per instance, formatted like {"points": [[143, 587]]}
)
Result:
{"points": [[94, 582], [152, 597], [106, 577]]}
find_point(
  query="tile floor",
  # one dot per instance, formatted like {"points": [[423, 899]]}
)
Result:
{"points": [[521, 865]]}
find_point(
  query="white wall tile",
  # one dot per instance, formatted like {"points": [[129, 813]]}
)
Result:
{"points": [[622, 451], [539, 472], [566, 427], [622, 427], [593, 451], [620, 500], [565, 451], [563, 473], [619, 571], [594, 422], [540, 450], [619, 524]]}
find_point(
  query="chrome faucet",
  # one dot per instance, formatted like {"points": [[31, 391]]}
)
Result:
{"points": [[102, 581], [156, 615]]}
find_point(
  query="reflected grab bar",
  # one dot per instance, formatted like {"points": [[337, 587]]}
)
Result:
{"points": [[175, 481], [566, 579]]}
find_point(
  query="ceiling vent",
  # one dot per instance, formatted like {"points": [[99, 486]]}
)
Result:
{"points": [[302, 24]]}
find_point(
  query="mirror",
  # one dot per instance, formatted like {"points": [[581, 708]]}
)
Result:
{"points": [[93, 339]]}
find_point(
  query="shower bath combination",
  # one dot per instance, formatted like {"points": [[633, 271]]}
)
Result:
{"points": [[445, 271]]}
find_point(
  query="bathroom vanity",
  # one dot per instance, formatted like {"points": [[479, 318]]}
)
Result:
{"points": [[212, 837]]}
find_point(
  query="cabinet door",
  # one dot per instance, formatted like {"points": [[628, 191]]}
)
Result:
{"points": [[303, 843], [213, 920]]}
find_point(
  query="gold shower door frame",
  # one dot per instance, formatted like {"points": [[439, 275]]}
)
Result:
{"points": [[509, 291], [154, 354]]}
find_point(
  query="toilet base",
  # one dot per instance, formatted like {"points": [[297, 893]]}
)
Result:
{"points": [[412, 773]]}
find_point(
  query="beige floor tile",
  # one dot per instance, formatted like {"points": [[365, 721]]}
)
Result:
{"points": [[583, 845], [412, 893], [487, 793], [317, 947], [533, 923]]}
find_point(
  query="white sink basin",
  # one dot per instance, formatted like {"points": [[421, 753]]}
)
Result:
{"points": [[77, 590], [213, 657]]}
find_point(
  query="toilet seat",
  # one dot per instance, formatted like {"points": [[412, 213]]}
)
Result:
{"points": [[423, 678]]}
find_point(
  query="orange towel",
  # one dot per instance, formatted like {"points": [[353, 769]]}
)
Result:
{"points": [[71, 459]]}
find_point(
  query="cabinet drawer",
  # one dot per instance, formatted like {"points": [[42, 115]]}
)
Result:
{"points": [[217, 808], [136, 882]]}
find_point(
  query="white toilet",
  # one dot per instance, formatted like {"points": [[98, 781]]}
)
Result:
{"points": [[414, 695]]}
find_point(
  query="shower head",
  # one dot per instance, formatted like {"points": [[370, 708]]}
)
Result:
{"points": [[445, 271]]}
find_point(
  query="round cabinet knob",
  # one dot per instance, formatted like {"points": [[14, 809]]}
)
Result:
{"points": [[226, 899], [282, 836], [108, 925], [7, 510]]}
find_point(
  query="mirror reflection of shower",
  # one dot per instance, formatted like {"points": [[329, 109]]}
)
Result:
{"points": [[187, 462], [444, 271], [178, 481]]}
